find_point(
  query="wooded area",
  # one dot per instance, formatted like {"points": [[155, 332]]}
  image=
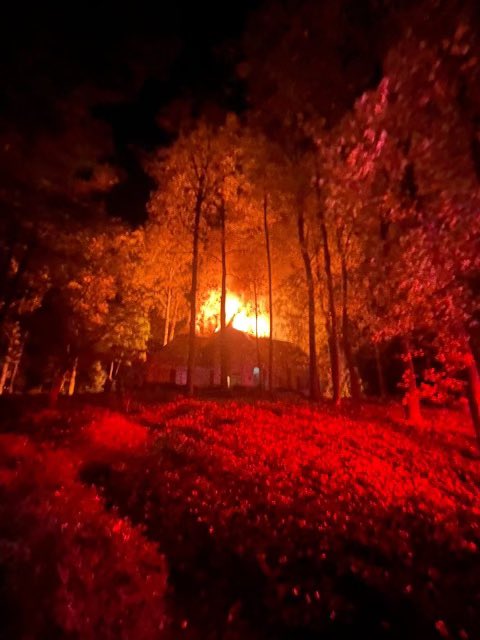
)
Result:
{"points": [[357, 228], [240, 320]]}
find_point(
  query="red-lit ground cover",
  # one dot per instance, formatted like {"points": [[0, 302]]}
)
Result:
{"points": [[275, 520]]}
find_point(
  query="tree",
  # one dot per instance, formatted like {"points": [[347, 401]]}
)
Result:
{"points": [[314, 383], [53, 180], [290, 102], [299, 207], [354, 191], [188, 176], [227, 199], [433, 193], [270, 290]]}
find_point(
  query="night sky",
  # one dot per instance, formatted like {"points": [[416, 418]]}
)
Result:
{"points": [[132, 59], [141, 68]]}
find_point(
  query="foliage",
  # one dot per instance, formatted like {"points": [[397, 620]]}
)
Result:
{"points": [[272, 516], [70, 567], [97, 376]]}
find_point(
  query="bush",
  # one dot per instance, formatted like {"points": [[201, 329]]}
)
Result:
{"points": [[97, 376], [114, 431], [69, 568]]}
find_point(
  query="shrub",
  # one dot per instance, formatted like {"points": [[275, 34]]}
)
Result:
{"points": [[114, 431], [97, 376], [69, 568]]}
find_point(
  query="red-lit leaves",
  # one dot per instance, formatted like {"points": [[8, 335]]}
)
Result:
{"points": [[69, 568], [293, 516], [272, 517]]}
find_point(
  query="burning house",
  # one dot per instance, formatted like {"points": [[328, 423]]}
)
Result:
{"points": [[246, 361]]}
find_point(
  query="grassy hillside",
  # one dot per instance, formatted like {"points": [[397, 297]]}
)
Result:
{"points": [[272, 520]]}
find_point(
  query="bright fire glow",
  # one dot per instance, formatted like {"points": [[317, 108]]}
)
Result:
{"points": [[240, 315]]}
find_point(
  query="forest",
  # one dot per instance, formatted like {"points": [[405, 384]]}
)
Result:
{"points": [[317, 184], [355, 236]]}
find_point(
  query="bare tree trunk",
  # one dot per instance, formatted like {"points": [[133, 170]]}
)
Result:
{"points": [[473, 392], [56, 387], [270, 292], [12, 284], [257, 341], [355, 388], [16, 366], [73, 378], [380, 376], [117, 369], [6, 264], [314, 382], [110, 372], [333, 338], [13, 377], [412, 397], [223, 303], [167, 316], [4, 374], [193, 294], [173, 322]]}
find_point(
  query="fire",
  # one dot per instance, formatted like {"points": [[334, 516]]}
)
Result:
{"points": [[239, 315]]}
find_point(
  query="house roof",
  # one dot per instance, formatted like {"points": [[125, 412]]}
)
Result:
{"points": [[175, 352], [239, 345]]}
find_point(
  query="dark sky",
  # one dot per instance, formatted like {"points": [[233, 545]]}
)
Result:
{"points": [[133, 59], [129, 61]]}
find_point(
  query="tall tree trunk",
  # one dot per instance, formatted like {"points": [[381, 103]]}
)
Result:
{"points": [[473, 391], [13, 284], [381, 378], [412, 396], [193, 293], [18, 359], [4, 374], [314, 382], [327, 263], [173, 322], [13, 376], [257, 341], [6, 263], [55, 389], [73, 378], [117, 368], [355, 388], [270, 292], [167, 316], [223, 304]]}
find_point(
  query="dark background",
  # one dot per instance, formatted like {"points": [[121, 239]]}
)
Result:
{"points": [[128, 61]]}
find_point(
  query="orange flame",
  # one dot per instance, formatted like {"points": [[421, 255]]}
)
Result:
{"points": [[239, 315]]}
